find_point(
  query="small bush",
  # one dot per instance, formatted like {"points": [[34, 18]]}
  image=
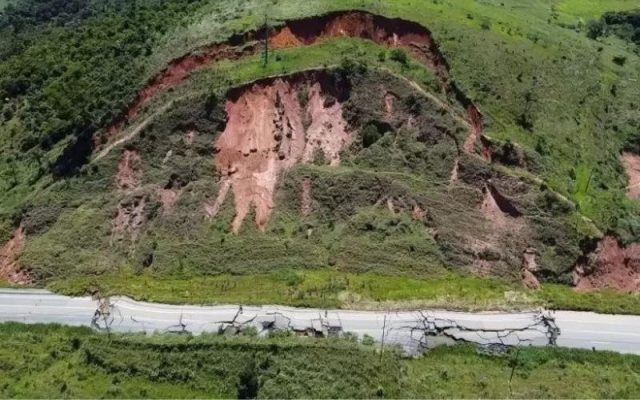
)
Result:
{"points": [[620, 60], [399, 56]]}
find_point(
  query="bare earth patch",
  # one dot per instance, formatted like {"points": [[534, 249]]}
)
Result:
{"points": [[9, 254], [498, 209], [631, 163], [271, 128], [129, 175], [611, 266], [130, 215], [529, 266]]}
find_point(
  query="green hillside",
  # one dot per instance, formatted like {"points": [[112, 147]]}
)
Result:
{"points": [[148, 145]]}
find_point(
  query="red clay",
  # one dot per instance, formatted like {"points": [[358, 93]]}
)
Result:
{"points": [[130, 215], [384, 31], [129, 174], [270, 130], [611, 266], [9, 254]]}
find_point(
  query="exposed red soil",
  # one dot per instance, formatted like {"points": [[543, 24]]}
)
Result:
{"points": [[129, 219], [9, 254], [130, 214], [129, 175], [284, 38], [268, 132], [498, 209], [610, 266], [631, 163], [529, 266], [384, 31], [506, 226]]}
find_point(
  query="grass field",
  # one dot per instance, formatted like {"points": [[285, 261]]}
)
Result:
{"points": [[43, 361]]}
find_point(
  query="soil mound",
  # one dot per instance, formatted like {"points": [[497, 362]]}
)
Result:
{"points": [[272, 126]]}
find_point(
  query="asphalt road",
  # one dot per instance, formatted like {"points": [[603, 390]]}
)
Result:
{"points": [[413, 330]]}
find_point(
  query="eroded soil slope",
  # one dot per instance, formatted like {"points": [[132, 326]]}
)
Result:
{"points": [[273, 126], [384, 31], [610, 266], [9, 254]]}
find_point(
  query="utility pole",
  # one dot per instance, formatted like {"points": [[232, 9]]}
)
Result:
{"points": [[384, 329]]}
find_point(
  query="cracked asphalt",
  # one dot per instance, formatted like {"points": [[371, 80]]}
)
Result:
{"points": [[414, 331]]}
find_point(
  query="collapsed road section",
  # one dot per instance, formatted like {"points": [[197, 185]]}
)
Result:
{"points": [[414, 331]]}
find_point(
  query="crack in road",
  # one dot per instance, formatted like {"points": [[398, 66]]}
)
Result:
{"points": [[423, 331]]}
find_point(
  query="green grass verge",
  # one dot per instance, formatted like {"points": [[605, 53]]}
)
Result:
{"points": [[47, 361], [538, 373], [350, 291]]}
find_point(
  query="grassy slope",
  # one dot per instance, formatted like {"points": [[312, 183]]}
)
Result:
{"points": [[321, 288], [544, 57], [332, 289], [51, 362], [518, 35]]}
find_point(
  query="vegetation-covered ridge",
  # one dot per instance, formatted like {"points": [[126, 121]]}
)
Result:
{"points": [[51, 361], [386, 180]]}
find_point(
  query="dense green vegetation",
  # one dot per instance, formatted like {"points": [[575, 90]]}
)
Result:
{"points": [[625, 25], [51, 362]]}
